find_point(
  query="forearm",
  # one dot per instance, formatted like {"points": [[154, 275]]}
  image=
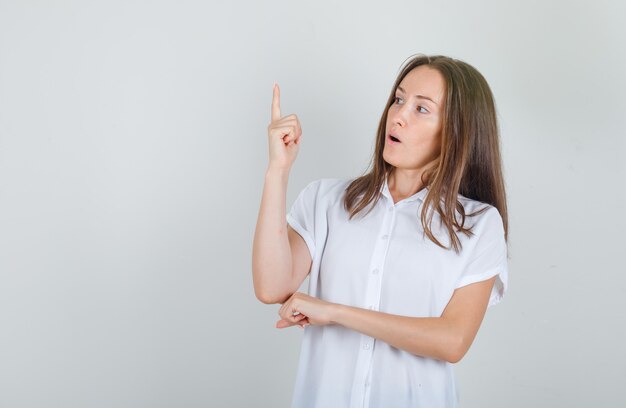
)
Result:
{"points": [[271, 253], [433, 337]]}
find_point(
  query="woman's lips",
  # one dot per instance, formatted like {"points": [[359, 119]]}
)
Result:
{"points": [[391, 140]]}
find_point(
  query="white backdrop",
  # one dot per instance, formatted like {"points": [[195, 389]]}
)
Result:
{"points": [[133, 147]]}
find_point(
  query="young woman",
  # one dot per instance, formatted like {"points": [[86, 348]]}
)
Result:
{"points": [[404, 260]]}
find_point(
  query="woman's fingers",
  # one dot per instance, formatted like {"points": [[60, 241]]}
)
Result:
{"points": [[284, 305], [284, 135], [297, 317], [288, 131], [291, 120], [281, 324], [288, 313], [292, 322], [290, 316], [276, 103]]}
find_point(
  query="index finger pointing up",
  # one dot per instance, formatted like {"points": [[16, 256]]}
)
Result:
{"points": [[276, 103]]}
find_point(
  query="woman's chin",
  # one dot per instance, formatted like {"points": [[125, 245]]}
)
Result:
{"points": [[388, 160]]}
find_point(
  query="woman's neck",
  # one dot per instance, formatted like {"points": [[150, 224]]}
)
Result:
{"points": [[404, 183]]}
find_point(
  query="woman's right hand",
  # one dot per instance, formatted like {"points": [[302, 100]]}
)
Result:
{"points": [[284, 135]]}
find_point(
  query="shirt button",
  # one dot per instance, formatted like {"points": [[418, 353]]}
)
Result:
{"points": [[367, 383], [366, 346], [375, 271], [390, 208], [385, 236]]}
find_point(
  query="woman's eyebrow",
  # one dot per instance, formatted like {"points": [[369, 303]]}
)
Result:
{"points": [[419, 96]]}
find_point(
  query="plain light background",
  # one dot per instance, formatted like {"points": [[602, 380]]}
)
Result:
{"points": [[133, 146]]}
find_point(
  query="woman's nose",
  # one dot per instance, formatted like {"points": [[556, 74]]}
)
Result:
{"points": [[399, 116]]}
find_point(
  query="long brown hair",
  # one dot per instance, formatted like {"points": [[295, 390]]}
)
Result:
{"points": [[469, 162]]}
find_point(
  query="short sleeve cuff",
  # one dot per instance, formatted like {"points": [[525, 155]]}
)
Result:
{"points": [[303, 233], [499, 286]]}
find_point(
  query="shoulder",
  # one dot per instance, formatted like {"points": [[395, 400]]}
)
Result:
{"points": [[327, 188], [488, 216]]}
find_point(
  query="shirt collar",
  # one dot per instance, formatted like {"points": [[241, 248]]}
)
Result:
{"points": [[417, 196]]}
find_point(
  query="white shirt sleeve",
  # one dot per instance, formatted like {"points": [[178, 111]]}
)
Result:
{"points": [[301, 217], [489, 256]]}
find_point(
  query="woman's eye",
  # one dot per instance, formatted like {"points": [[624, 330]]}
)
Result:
{"points": [[396, 99]]}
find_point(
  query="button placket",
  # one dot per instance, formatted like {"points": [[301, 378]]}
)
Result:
{"points": [[361, 382], [368, 383], [378, 261]]}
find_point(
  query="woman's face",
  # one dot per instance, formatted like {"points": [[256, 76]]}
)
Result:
{"points": [[415, 119]]}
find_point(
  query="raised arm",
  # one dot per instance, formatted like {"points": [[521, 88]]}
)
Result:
{"points": [[280, 258]]}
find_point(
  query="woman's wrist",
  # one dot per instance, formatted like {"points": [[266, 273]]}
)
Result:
{"points": [[279, 171], [336, 312]]}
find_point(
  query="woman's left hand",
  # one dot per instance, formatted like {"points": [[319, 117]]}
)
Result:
{"points": [[310, 310]]}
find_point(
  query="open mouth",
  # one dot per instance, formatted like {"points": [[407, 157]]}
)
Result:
{"points": [[394, 139]]}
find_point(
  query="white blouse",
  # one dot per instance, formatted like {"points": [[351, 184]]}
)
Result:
{"points": [[382, 262]]}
